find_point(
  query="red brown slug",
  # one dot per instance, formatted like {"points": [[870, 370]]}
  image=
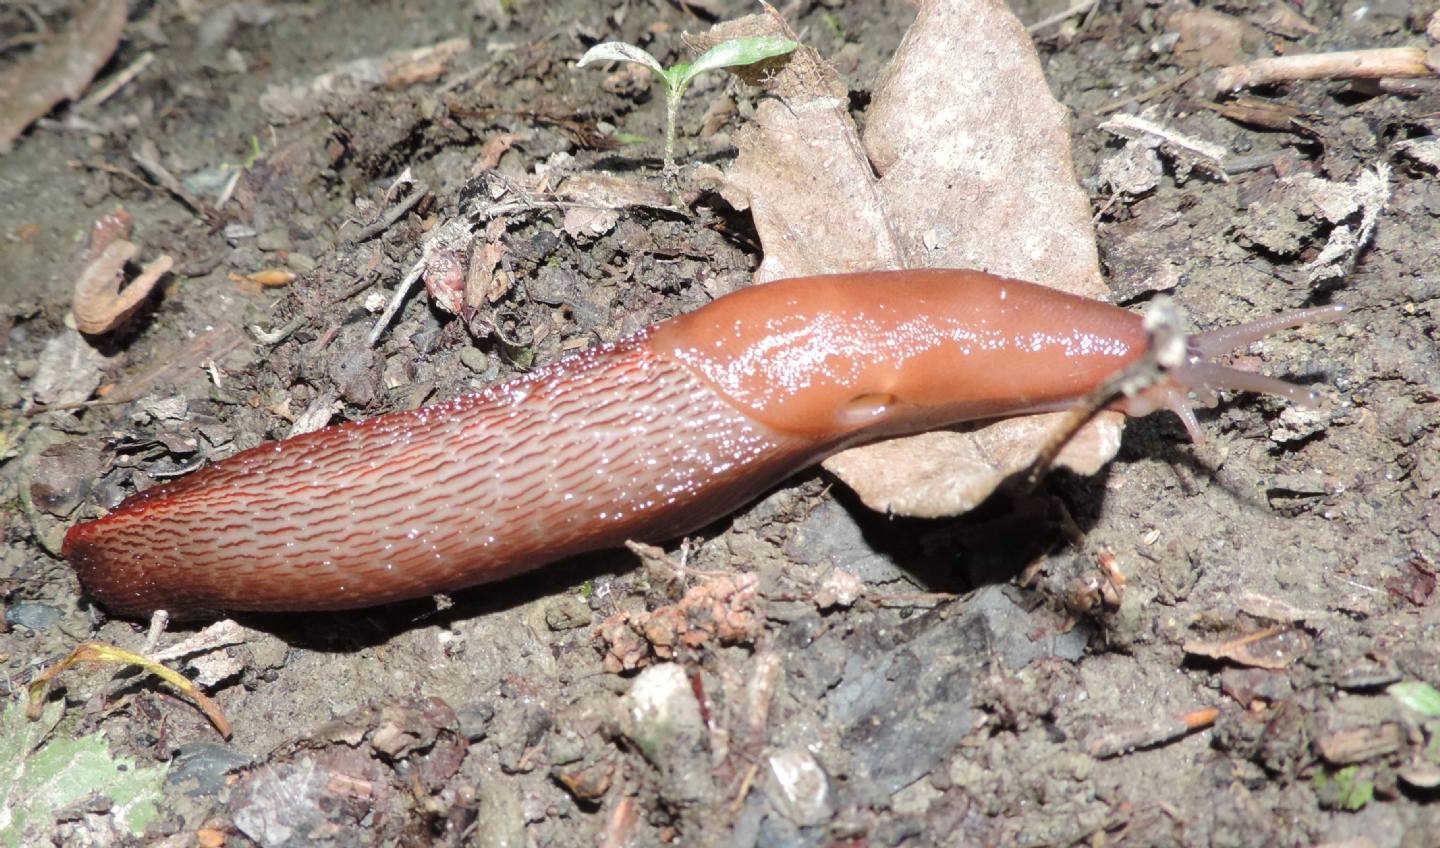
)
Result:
{"points": [[647, 438]]}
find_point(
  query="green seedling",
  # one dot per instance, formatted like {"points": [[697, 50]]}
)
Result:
{"points": [[1420, 697], [1345, 789], [734, 53]]}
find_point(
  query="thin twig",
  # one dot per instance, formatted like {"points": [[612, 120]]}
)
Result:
{"points": [[274, 337], [1077, 8], [1344, 64], [396, 300], [166, 180], [393, 214], [114, 84], [1154, 733]]}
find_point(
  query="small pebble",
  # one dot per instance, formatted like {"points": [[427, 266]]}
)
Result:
{"points": [[475, 720], [32, 616], [474, 359], [236, 232], [567, 612], [272, 241]]}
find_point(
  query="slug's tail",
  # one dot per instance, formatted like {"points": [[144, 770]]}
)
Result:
{"points": [[1203, 380]]}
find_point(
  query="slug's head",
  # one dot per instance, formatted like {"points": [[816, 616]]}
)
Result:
{"points": [[1199, 378]]}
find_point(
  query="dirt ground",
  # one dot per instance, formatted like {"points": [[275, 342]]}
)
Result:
{"points": [[1021, 675]]}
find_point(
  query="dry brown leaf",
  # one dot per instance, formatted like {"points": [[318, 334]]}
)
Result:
{"points": [[1210, 39], [968, 166], [61, 70], [1272, 648]]}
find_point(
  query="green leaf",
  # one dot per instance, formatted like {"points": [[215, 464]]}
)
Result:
{"points": [[735, 52], [1344, 789], [1420, 697], [40, 776], [1355, 793], [676, 79], [619, 51]]}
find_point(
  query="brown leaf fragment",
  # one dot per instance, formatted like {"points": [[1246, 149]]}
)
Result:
{"points": [[103, 300], [445, 279], [965, 163], [591, 782], [1272, 648], [485, 283], [1209, 39], [61, 70], [494, 148], [267, 278], [1261, 113], [1359, 744]]}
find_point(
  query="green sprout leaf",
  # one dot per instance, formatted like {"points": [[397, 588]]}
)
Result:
{"points": [[727, 54], [619, 51], [1420, 697], [40, 776], [1344, 789], [735, 53]]}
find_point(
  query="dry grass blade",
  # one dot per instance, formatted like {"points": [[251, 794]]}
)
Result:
{"points": [[101, 652]]}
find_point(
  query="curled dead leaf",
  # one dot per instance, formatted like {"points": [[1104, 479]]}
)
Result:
{"points": [[102, 298]]}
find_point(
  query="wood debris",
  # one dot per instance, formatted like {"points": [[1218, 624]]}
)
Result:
{"points": [[1380, 63]]}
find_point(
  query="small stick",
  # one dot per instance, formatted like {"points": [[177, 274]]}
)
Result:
{"points": [[159, 620], [1345, 64], [166, 180], [623, 817], [1078, 8], [393, 214], [114, 84], [1155, 733], [396, 300], [1148, 93]]}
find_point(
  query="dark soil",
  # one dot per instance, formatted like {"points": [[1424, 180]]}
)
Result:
{"points": [[1027, 708]]}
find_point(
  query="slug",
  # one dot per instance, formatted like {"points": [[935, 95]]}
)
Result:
{"points": [[647, 438]]}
